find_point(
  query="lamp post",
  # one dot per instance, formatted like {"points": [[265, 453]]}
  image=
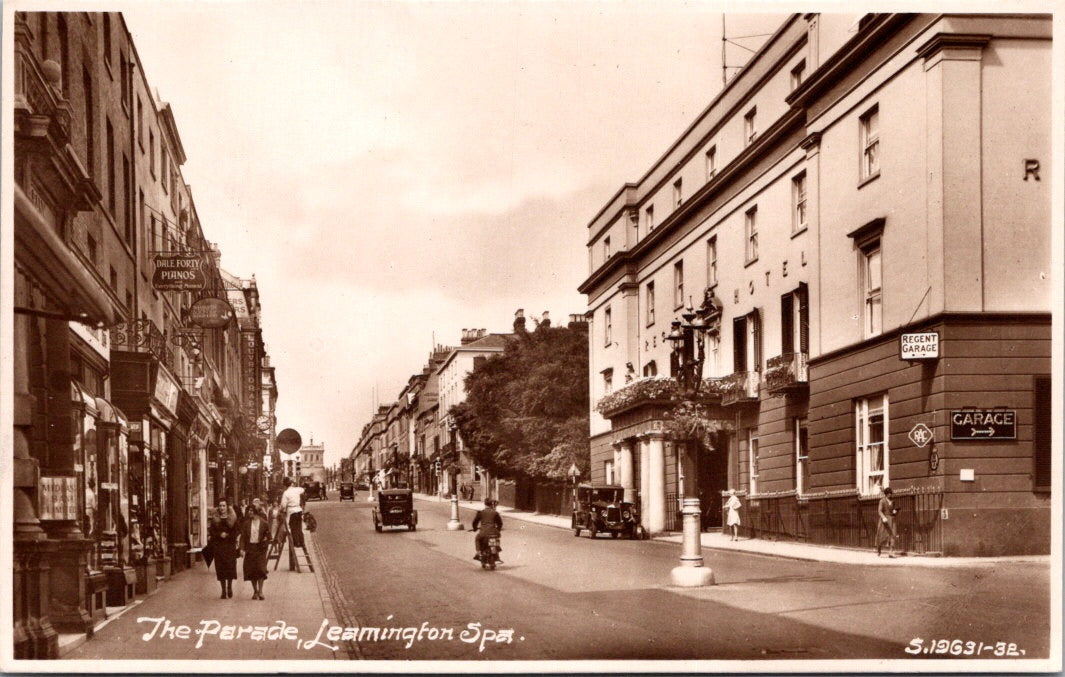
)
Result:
{"points": [[687, 337], [574, 474]]}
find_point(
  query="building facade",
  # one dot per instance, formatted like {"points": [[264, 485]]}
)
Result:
{"points": [[127, 411], [312, 461], [864, 185]]}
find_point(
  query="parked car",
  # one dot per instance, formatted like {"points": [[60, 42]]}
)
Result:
{"points": [[601, 508], [395, 508]]}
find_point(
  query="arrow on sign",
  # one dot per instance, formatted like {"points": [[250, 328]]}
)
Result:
{"points": [[989, 432]]}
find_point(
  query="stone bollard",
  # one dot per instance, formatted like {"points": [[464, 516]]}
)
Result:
{"points": [[691, 573], [454, 524]]}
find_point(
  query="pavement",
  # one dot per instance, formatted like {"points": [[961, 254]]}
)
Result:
{"points": [[717, 540], [191, 599]]}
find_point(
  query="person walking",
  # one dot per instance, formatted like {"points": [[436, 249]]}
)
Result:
{"points": [[224, 532], [885, 529], [255, 540], [733, 521], [292, 500]]}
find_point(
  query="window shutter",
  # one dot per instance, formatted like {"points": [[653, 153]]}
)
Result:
{"points": [[756, 331], [1043, 424], [739, 344], [786, 328], [804, 318]]}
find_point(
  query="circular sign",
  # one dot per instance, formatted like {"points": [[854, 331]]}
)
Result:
{"points": [[211, 313], [289, 441]]}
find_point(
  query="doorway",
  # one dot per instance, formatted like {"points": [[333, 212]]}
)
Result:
{"points": [[712, 476]]}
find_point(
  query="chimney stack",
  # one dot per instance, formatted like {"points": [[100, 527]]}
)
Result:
{"points": [[519, 321]]}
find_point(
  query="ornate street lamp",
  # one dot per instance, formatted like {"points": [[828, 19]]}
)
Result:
{"points": [[687, 337]]}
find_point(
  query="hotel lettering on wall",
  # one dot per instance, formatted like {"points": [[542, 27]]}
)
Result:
{"points": [[971, 425], [250, 372], [179, 271]]}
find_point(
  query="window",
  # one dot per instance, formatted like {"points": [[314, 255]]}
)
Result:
{"points": [[752, 458], [711, 261], [164, 168], [678, 192], [870, 433], [869, 125], [650, 303], [140, 122], [606, 247], [151, 152], [124, 75], [64, 53], [1044, 422], [872, 279], [650, 369], [608, 472], [43, 37], [798, 74], [711, 163], [608, 381], [111, 178], [608, 327], [678, 284], [802, 456], [127, 195], [750, 227], [749, 129], [129, 301], [795, 321], [798, 202], [153, 242], [90, 124], [649, 218], [90, 246], [747, 342], [113, 279], [107, 40]]}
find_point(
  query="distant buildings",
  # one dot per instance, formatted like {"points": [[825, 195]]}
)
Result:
{"points": [[140, 398], [866, 184]]}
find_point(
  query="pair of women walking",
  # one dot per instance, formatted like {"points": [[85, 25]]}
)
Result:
{"points": [[230, 538]]}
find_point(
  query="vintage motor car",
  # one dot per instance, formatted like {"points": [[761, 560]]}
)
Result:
{"points": [[347, 491], [600, 508], [395, 508], [314, 490]]}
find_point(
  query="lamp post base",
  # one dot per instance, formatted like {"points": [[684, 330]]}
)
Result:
{"points": [[454, 526], [691, 577]]}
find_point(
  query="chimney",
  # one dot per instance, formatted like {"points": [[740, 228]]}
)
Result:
{"points": [[468, 336], [519, 321], [545, 321]]}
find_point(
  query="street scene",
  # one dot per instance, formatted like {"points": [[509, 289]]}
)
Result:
{"points": [[553, 337]]}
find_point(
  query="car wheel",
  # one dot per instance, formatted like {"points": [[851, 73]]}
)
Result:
{"points": [[412, 527], [577, 532], [592, 531], [613, 534]]}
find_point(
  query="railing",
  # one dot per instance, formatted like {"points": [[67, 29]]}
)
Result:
{"points": [[786, 373], [847, 520], [141, 336], [673, 516], [739, 387]]}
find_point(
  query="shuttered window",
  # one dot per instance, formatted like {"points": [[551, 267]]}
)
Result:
{"points": [[1042, 447]]}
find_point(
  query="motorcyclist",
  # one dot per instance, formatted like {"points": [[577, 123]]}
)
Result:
{"points": [[487, 523]]}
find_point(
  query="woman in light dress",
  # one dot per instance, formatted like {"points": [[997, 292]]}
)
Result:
{"points": [[733, 521]]}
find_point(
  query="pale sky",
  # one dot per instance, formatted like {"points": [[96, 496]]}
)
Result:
{"points": [[391, 171]]}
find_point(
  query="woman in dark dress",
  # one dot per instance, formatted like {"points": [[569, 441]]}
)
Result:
{"points": [[224, 532], [255, 539]]}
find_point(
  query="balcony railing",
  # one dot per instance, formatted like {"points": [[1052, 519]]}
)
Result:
{"points": [[141, 336], [786, 373], [739, 387]]}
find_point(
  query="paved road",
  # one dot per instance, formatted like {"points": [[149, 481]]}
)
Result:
{"points": [[569, 598]]}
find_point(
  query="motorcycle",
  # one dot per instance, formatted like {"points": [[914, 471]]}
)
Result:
{"points": [[489, 555]]}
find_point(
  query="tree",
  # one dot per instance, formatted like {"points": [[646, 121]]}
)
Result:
{"points": [[526, 409]]}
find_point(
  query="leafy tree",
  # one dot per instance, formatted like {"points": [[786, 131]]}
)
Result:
{"points": [[526, 409]]}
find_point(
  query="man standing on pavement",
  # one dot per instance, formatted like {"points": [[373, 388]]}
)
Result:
{"points": [[292, 507]]}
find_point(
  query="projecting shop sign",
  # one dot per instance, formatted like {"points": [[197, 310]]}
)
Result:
{"points": [[983, 424], [922, 346], [179, 271]]}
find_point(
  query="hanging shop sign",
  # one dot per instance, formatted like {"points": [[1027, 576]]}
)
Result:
{"points": [[211, 313], [250, 373], [289, 441], [983, 424], [167, 390], [921, 346], [179, 271]]}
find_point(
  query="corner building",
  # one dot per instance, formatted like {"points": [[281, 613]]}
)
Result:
{"points": [[863, 177]]}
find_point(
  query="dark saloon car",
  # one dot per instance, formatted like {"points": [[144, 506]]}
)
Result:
{"points": [[601, 508]]}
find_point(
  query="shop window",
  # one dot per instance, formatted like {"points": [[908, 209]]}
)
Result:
{"points": [[871, 440]]}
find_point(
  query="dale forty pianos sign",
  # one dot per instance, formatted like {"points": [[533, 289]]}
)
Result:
{"points": [[180, 271]]}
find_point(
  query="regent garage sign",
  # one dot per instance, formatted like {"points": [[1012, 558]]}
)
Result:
{"points": [[180, 271], [983, 424]]}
